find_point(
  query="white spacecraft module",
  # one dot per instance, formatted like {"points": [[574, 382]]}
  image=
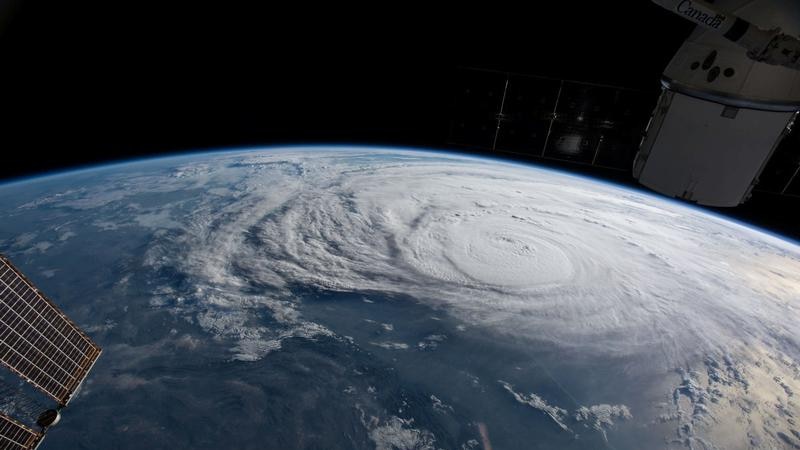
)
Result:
{"points": [[43, 347], [730, 95]]}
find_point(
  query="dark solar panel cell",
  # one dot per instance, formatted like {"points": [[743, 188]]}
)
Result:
{"points": [[583, 123]]}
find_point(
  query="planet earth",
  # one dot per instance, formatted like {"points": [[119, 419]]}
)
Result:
{"points": [[368, 298]]}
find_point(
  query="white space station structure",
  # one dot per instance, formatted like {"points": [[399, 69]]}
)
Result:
{"points": [[730, 96]]}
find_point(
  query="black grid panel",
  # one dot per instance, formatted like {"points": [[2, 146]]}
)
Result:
{"points": [[37, 341], [527, 114], [479, 97], [557, 119], [16, 436], [782, 173], [616, 149]]}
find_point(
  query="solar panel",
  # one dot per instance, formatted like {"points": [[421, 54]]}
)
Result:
{"points": [[37, 341], [16, 436], [782, 173], [548, 118]]}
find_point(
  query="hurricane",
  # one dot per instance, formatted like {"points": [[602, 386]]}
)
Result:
{"points": [[575, 263]]}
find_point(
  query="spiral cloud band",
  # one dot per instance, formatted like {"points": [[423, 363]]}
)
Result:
{"points": [[553, 257]]}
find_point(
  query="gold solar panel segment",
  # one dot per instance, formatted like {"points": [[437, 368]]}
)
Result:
{"points": [[16, 436], [37, 341]]}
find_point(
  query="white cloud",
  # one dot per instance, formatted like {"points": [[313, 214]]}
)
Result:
{"points": [[556, 414], [599, 417], [536, 251], [391, 345]]}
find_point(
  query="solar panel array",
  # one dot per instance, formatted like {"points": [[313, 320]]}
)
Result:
{"points": [[37, 341], [583, 123], [16, 436], [782, 173]]}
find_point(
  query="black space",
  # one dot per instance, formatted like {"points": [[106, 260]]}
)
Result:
{"points": [[89, 82]]}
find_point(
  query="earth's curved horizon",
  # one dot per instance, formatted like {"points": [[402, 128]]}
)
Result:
{"points": [[360, 297]]}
